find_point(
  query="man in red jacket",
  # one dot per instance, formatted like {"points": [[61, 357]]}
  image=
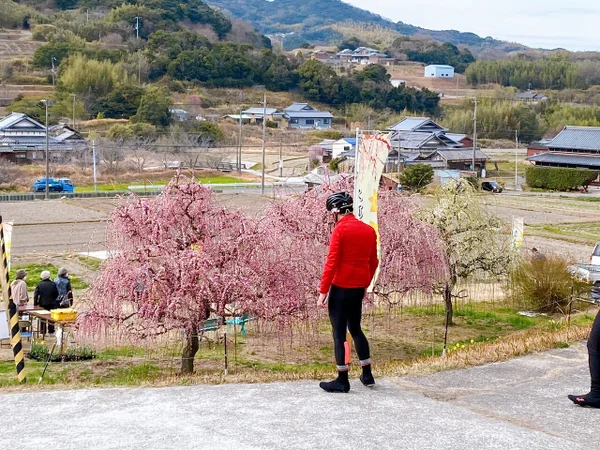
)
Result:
{"points": [[350, 267]]}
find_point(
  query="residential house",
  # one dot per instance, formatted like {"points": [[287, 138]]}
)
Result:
{"points": [[573, 147], [417, 124], [178, 115], [531, 97], [363, 55], [327, 149], [66, 134], [537, 147], [462, 139], [23, 138], [321, 55], [344, 147], [439, 71], [461, 159], [304, 116], [256, 114]]}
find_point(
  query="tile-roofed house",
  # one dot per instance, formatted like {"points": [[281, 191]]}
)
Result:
{"points": [[577, 139], [418, 124], [416, 141], [573, 147], [256, 114], [64, 133], [24, 138], [297, 107]]}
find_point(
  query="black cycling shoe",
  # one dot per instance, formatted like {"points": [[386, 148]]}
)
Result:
{"points": [[367, 380], [335, 386], [585, 400]]}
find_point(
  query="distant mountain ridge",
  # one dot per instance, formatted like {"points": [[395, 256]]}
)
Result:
{"points": [[311, 18]]}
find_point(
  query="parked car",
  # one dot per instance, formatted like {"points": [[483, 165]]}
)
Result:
{"points": [[54, 185], [595, 256], [491, 186]]}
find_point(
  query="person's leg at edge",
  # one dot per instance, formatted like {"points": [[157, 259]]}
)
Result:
{"points": [[339, 322], [354, 304], [593, 397]]}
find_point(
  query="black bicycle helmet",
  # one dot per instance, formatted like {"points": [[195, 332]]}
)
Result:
{"points": [[339, 202]]}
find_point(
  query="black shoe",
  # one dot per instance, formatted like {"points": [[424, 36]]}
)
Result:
{"points": [[367, 380], [335, 386], [585, 400]]}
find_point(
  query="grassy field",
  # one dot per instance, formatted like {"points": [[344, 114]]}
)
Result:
{"points": [[107, 187], [587, 232], [34, 271], [410, 341]]}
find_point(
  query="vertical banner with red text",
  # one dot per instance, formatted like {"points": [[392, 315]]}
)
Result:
{"points": [[371, 154]]}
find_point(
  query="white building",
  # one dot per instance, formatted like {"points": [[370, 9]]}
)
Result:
{"points": [[343, 147], [439, 71]]}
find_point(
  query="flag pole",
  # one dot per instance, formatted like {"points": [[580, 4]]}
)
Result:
{"points": [[12, 312]]}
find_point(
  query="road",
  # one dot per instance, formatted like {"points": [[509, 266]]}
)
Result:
{"points": [[519, 404]]}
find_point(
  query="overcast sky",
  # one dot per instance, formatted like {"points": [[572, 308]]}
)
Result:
{"points": [[570, 24]]}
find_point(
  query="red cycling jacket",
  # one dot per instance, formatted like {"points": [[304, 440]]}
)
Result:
{"points": [[352, 258]]}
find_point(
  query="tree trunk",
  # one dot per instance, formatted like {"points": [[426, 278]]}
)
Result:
{"points": [[189, 351], [449, 307], [449, 311]]}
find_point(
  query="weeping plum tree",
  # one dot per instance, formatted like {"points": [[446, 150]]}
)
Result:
{"points": [[470, 237], [180, 256], [412, 258]]}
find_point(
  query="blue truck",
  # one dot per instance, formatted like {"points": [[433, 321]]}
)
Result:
{"points": [[54, 185]]}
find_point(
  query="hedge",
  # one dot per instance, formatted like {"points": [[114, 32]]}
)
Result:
{"points": [[559, 179]]}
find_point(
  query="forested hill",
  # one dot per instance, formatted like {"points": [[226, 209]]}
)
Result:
{"points": [[311, 19]]}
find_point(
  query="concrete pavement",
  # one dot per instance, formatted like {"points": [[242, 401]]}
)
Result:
{"points": [[520, 404]]}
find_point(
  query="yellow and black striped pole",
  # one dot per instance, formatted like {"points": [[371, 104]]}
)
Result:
{"points": [[12, 312]]}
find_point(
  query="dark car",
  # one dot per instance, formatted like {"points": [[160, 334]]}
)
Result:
{"points": [[491, 186]]}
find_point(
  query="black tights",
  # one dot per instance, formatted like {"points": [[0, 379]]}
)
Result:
{"points": [[593, 346], [345, 310]]}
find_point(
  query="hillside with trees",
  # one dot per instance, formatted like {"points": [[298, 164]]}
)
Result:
{"points": [[315, 21]]}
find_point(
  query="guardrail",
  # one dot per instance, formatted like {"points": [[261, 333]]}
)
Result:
{"points": [[149, 190], [21, 197]]}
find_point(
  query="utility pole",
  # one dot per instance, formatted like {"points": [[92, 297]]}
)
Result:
{"points": [[281, 158], [87, 16], [239, 155], [264, 136], [73, 110], [474, 135], [516, 158], [47, 164], [398, 158], [94, 163]]}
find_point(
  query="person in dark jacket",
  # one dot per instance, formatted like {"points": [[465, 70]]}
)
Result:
{"points": [[46, 296], [63, 284], [351, 264]]}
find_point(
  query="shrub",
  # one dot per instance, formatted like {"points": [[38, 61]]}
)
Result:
{"points": [[416, 177], [320, 135], [560, 179], [543, 285], [41, 353], [334, 164]]}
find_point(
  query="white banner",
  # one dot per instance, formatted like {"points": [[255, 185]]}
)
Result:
{"points": [[371, 155], [517, 234]]}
